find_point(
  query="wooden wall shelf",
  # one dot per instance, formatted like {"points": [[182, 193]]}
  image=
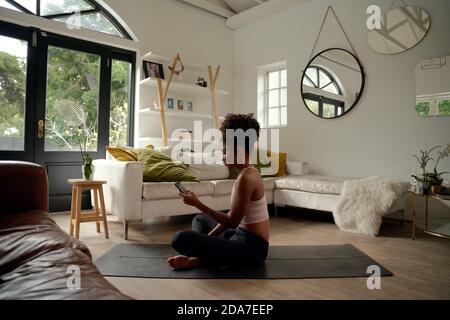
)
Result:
{"points": [[178, 114], [190, 66], [177, 67], [183, 88]]}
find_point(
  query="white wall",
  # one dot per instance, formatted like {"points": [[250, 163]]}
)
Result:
{"points": [[381, 133]]}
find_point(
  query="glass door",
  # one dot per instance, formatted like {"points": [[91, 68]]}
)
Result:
{"points": [[122, 96], [85, 102], [72, 101], [72, 111], [16, 93]]}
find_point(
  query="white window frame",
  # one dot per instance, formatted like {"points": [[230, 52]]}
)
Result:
{"points": [[433, 100], [263, 93]]}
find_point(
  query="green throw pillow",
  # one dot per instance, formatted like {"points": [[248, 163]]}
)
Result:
{"points": [[160, 168], [234, 173]]}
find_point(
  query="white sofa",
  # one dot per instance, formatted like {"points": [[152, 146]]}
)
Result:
{"points": [[322, 192], [132, 200]]}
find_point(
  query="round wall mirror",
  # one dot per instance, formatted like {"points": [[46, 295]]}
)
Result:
{"points": [[332, 83], [401, 29]]}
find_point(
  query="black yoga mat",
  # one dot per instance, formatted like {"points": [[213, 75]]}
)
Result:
{"points": [[283, 262]]}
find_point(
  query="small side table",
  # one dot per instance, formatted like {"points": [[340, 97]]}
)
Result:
{"points": [[415, 195], [98, 215]]}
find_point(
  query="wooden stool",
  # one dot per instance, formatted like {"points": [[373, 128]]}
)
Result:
{"points": [[76, 216]]}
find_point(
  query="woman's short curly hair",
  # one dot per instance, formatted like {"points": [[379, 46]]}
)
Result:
{"points": [[244, 122]]}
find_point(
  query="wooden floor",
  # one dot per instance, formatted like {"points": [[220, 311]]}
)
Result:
{"points": [[421, 268]]}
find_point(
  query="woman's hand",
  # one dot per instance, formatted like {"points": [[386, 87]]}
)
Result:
{"points": [[190, 198]]}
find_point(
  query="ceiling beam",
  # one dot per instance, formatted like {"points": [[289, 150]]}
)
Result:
{"points": [[242, 5], [259, 12], [208, 6]]}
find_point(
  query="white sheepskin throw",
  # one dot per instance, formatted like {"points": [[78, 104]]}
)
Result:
{"points": [[362, 204]]}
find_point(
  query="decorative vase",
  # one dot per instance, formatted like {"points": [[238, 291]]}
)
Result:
{"points": [[423, 188], [436, 190], [88, 172]]}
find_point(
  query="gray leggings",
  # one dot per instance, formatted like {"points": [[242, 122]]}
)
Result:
{"points": [[233, 247]]}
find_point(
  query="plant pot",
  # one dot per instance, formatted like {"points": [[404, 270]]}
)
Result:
{"points": [[436, 190], [423, 188], [88, 172]]}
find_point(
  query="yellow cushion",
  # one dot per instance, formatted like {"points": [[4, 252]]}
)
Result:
{"points": [[126, 154], [282, 164], [122, 154]]}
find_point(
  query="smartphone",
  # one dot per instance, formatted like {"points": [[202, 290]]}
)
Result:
{"points": [[180, 187]]}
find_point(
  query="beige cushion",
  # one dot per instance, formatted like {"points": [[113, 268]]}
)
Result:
{"points": [[205, 172], [167, 190], [205, 167], [224, 187], [167, 151], [315, 184]]}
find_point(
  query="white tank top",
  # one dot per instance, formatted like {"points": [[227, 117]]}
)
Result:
{"points": [[256, 212]]}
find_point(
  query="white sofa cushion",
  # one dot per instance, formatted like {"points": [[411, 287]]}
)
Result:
{"points": [[172, 207], [206, 172], [307, 200], [314, 184], [224, 187], [205, 167], [167, 151], [167, 190], [297, 168]]}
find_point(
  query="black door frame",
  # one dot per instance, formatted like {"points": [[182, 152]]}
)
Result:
{"points": [[107, 54], [62, 165], [46, 40], [321, 100], [26, 34]]}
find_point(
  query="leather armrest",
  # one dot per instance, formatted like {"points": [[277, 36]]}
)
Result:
{"points": [[23, 187]]}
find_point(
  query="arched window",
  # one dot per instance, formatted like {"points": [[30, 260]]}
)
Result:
{"points": [[319, 100], [86, 14], [321, 79]]}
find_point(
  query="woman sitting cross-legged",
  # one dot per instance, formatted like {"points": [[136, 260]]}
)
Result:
{"points": [[239, 239]]}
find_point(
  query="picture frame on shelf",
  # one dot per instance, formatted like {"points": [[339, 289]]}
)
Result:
{"points": [[180, 105], [153, 70], [170, 105], [190, 106]]}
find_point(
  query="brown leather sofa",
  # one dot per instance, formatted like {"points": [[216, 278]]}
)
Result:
{"points": [[38, 260]]}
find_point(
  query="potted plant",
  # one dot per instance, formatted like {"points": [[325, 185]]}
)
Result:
{"points": [[87, 167], [87, 170], [435, 177], [431, 181]]}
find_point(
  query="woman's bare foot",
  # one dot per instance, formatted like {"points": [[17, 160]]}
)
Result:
{"points": [[183, 262]]}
